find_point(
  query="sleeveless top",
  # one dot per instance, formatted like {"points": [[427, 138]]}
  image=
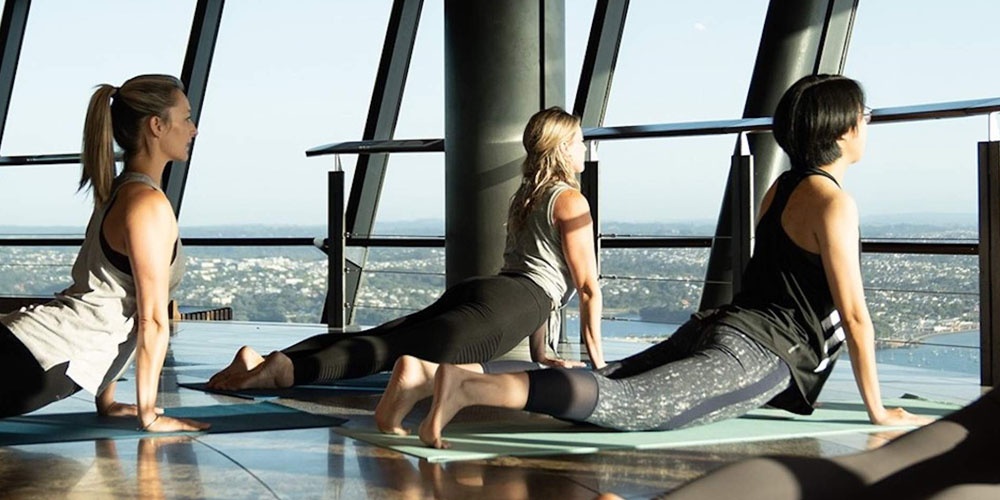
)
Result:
{"points": [[535, 251], [92, 323], [786, 303]]}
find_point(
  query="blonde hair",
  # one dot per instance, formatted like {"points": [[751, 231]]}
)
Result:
{"points": [[117, 114], [546, 164]]}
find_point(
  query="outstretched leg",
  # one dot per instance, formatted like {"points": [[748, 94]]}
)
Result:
{"points": [[246, 359], [275, 371]]}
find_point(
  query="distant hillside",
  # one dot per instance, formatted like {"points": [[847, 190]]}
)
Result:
{"points": [[875, 226]]}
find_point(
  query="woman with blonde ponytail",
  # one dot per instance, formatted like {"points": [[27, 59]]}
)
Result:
{"points": [[129, 263], [549, 254]]}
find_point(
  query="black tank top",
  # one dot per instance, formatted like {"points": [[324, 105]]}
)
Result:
{"points": [[786, 303]]}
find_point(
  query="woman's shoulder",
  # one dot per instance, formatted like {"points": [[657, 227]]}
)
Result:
{"points": [[144, 202], [569, 203]]}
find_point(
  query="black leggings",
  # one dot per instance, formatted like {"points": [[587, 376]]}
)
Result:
{"points": [[24, 386], [703, 373], [955, 457], [473, 321]]}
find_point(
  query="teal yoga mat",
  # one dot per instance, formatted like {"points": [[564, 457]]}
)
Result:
{"points": [[472, 441], [64, 427], [371, 383]]}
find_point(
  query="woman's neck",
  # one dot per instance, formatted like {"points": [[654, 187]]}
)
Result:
{"points": [[146, 165]]}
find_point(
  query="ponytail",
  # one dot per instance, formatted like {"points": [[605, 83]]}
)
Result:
{"points": [[98, 158]]}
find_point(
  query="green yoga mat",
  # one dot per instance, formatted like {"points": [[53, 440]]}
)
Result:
{"points": [[64, 427], [472, 441]]}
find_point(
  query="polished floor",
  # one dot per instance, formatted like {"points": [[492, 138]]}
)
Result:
{"points": [[319, 463]]}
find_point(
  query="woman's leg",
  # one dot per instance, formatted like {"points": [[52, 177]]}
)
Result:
{"points": [[960, 449], [27, 387], [413, 380], [726, 376], [473, 321], [677, 346]]}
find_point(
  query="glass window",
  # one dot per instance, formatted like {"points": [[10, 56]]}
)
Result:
{"points": [[579, 17], [412, 201], [919, 180], [69, 47], [678, 62], [285, 77], [54, 82]]}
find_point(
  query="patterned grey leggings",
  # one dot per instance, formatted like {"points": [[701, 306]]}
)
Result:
{"points": [[701, 374]]}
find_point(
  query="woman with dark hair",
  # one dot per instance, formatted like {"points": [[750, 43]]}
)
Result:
{"points": [[775, 344], [129, 263], [549, 254]]}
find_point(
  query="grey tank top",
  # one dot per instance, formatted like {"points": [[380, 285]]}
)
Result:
{"points": [[536, 251], [91, 324]]}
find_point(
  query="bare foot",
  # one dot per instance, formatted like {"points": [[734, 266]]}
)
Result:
{"points": [[412, 380], [275, 372], [449, 397], [246, 359]]}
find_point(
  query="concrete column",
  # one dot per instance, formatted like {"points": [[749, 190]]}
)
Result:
{"points": [[499, 67]]}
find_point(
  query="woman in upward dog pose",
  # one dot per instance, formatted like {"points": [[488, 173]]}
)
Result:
{"points": [[776, 343], [549, 254], [129, 263]]}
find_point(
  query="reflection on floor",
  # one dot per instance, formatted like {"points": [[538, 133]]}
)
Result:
{"points": [[318, 463]]}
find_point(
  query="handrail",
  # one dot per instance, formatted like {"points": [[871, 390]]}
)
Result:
{"points": [[952, 109], [50, 159], [607, 241], [375, 146], [46, 159]]}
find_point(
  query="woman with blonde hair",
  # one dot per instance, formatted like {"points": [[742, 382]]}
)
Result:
{"points": [[549, 254], [129, 263]]}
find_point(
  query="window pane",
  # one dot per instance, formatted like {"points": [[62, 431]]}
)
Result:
{"points": [[69, 47], [53, 85], [43, 196], [412, 201], [678, 62], [919, 180], [579, 17], [286, 77]]}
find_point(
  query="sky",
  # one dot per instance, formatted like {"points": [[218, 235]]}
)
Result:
{"points": [[288, 76]]}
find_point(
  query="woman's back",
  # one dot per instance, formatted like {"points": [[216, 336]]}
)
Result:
{"points": [[534, 249]]}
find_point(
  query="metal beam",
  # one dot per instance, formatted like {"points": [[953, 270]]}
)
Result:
{"points": [[599, 61], [592, 93], [197, 63], [383, 113], [12, 25]]}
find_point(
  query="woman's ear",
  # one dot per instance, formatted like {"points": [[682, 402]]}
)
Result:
{"points": [[156, 126]]}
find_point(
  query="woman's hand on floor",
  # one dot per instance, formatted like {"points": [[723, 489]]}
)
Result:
{"points": [[163, 423], [562, 363]]}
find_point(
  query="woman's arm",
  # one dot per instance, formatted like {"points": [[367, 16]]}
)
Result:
{"points": [[149, 233], [838, 240], [572, 217]]}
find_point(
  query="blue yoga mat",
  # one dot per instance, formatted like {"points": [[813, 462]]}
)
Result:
{"points": [[64, 427]]}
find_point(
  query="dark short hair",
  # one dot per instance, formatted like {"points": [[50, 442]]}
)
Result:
{"points": [[812, 114]]}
